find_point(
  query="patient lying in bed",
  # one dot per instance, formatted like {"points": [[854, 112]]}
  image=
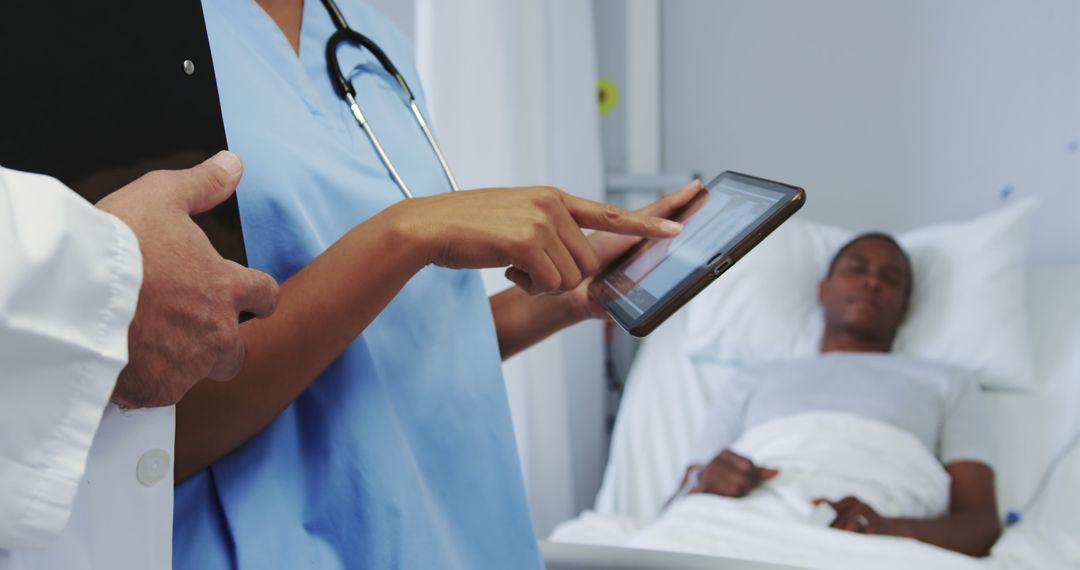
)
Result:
{"points": [[864, 297], [925, 412], [899, 449]]}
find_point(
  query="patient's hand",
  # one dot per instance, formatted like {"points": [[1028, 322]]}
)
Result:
{"points": [[856, 516], [970, 526], [731, 475]]}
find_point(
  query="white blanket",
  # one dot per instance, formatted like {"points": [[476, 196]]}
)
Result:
{"points": [[833, 455], [818, 455]]}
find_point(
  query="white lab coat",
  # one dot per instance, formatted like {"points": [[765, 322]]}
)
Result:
{"points": [[82, 484]]}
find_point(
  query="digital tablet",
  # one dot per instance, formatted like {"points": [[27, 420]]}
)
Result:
{"points": [[730, 216]]}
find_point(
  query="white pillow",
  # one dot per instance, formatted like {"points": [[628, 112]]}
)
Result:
{"points": [[969, 306]]}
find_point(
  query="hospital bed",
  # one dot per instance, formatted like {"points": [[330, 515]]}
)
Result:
{"points": [[669, 390], [569, 556]]}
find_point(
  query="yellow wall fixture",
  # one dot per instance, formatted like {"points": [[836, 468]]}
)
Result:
{"points": [[607, 95]]}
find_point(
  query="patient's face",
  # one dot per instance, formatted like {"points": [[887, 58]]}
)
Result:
{"points": [[866, 293]]}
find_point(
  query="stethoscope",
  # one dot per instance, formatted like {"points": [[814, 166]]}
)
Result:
{"points": [[345, 90]]}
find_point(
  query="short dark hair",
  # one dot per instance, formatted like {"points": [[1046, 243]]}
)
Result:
{"points": [[884, 237]]}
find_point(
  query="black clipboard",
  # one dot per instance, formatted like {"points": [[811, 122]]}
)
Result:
{"points": [[97, 94]]}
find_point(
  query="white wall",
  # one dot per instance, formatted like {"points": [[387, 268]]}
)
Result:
{"points": [[890, 113]]}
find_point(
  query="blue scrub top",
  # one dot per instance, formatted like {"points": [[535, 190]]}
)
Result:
{"points": [[401, 454]]}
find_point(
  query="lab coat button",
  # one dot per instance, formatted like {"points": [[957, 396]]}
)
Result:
{"points": [[153, 466]]}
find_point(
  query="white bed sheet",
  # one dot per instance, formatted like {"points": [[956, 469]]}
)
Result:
{"points": [[1032, 427], [705, 531]]}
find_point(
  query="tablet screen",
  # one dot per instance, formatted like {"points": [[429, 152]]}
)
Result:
{"points": [[714, 221]]}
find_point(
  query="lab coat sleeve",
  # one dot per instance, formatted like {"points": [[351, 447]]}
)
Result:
{"points": [[69, 283]]}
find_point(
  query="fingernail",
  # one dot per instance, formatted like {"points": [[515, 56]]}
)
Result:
{"points": [[228, 161], [671, 226]]}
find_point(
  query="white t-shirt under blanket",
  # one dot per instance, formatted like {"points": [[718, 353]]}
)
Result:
{"points": [[945, 410]]}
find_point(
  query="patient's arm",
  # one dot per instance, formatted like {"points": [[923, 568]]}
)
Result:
{"points": [[970, 527]]}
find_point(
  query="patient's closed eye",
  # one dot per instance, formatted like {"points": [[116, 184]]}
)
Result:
{"points": [[855, 266]]}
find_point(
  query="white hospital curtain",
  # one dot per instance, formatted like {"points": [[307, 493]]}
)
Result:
{"points": [[512, 93]]}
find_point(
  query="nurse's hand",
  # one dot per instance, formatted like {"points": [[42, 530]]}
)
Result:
{"points": [[186, 322], [536, 231], [609, 247]]}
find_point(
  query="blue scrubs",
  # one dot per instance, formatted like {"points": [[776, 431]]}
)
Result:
{"points": [[401, 454]]}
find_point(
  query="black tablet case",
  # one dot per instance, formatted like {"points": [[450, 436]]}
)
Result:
{"points": [[96, 94]]}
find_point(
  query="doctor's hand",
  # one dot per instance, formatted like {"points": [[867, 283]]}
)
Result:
{"points": [[536, 231], [609, 247], [186, 324], [732, 475]]}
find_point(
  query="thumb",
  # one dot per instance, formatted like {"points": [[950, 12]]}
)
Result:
{"points": [[519, 278], [766, 473], [210, 183]]}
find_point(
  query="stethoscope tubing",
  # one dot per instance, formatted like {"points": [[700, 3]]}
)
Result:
{"points": [[344, 89]]}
